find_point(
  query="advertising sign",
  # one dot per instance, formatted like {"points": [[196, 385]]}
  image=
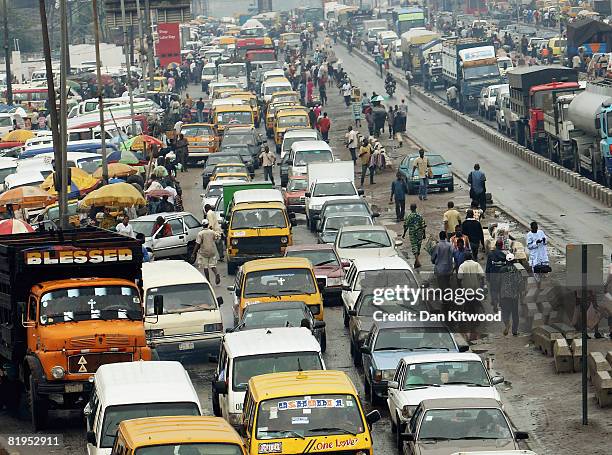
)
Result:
{"points": [[168, 46]]}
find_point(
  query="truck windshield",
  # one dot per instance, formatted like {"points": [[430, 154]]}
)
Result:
{"points": [[609, 123], [258, 218], [330, 414], [232, 70], [334, 189], [313, 156], [238, 117], [279, 282], [114, 415], [200, 448], [181, 298], [477, 72], [247, 367], [89, 302]]}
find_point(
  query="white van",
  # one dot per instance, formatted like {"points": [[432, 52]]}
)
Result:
{"points": [[304, 153], [129, 390], [254, 352], [297, 135], [191, 321]]}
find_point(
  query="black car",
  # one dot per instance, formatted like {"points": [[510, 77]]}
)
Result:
{"points": [[243, 135], [218, 158], [281, 314], [341, 206], [246, 153]]}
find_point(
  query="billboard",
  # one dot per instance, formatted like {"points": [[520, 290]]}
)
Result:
{"points": [[168, 45]]}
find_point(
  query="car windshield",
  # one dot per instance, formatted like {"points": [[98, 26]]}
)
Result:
{"points": [[222, 169], [214, 191], [368, 305], [414, 338], [312, 156], [209, 70], [258, 218], [286, 98], [237, 139], [336, 222], [275, 317], [477, 72], [6, 121], [200, 448], [268, 283], [114, 415], [293, 120], [472, 423], [317, 257], [4, 173], [217, 159], [89, 302], [232, 70], [357, 207], [334, 189], [197, 131], [182, 298], [270, 89], [364, 239], [238, 117], [446, 373], [385, 278], [247, 367], [327, 415], [297, 185], [435, 160]]}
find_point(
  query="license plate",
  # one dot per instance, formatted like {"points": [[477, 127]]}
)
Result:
{"points": [[186, 346], [72, 388], [433, 182]]}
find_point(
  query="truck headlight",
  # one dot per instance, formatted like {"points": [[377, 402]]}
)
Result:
{"points": [[334, 281], [234, 242], [284, 240], [57, 372]]}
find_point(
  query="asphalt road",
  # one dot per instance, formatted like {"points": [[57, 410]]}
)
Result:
{"points": [[529, 194]]}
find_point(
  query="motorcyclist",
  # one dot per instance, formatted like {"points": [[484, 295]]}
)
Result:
{"points": [[390, 83]]}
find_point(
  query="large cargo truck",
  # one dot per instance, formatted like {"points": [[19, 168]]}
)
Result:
{"points": [[70, 301], [412, 40]]}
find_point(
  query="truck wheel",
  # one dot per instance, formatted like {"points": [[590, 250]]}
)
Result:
{"points": [[345, 317], [398, 436], [324, 342], [38, 407], [231, 268], [216, 405], [189, 254]]}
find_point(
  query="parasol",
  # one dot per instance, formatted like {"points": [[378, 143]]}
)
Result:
{"points": [[118, 195], [116, 170], [14, 226]]}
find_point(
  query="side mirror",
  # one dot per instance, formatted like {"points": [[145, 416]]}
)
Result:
{"points": [[372, 417], [407, 437], [220, 387], [219, 301], [393, 384], [212, 358], [91, 438], [398, 242], [346, 287], [308, 194], [231, 288], [365, 350], [521, 435], [495, 380], [158, 305], [375, 214], [345, 263], [360, 192], [463, 347], [352, 312], [292, 216], [319, 324]]}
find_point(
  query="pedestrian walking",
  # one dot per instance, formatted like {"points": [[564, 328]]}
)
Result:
{"points": [[347, 91], [457, 236], [538, 253], [459, 252], [365, 153], [442, 258], [511, 291], [415, 225], [496, 259], [125, 228], [205, 251], [380, 117], [323, 94], [365, 102], [473, 229], [356, 114], [352, 142], [471, 276], [399, 190], [369, 116], [268, 160], [451, 218], [323, 125], [380, 61], [390, 120], [182, 151], [200, 110], [478, 189], [312, 118], [422, 165], [399, 126], [213, 222]]}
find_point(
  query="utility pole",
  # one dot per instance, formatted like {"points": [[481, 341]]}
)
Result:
{"points": [[141, 59], [54, 123], [150, 59], [7, 57], [64, 70], [96, 33], [127, 65]]}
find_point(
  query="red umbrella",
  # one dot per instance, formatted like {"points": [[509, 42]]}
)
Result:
{"points": [[14, 226]]}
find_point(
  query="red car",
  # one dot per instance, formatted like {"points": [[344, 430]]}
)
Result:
{"points": [[327, 265], [294, 194]]}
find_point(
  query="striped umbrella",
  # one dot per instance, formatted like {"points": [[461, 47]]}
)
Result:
{"points": [[14, 226]]}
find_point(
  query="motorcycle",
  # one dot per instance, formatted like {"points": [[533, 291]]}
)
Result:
{"points": [[390, 88]]}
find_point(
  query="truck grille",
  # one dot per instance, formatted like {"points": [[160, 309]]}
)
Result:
{"points": [[89, 363], [92, 341], [260, 245]]}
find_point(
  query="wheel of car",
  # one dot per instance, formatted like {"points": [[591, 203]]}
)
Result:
{"points": [[323, 342], [398, 436], [451, 188], [216, 405], [357, 357], [345, 317], [374, 399]]}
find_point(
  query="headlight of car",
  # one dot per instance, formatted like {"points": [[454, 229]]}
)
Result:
{"points": [[154, 333], [234, 242], [57, 372], [447, 175], [284, 240], [334, 281]]}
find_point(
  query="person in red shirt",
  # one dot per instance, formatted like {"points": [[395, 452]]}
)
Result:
{"points": [[324, 124], [165, 231]]}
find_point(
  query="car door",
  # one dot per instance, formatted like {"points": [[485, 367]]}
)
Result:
{"points": [[192, 226], [367, 359], [224, 375], [346, 282], [393, 397], [172, 245]]}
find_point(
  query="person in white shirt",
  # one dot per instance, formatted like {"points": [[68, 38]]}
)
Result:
{"points": [[538, 253], [347, 91], [352, 142], [125, 228], [173, 193], [177, 127]]}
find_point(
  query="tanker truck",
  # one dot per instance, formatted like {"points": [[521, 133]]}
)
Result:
{"points": [[577, 128]]}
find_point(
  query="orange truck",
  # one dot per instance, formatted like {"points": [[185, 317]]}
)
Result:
{"points": [[70, 301]]}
